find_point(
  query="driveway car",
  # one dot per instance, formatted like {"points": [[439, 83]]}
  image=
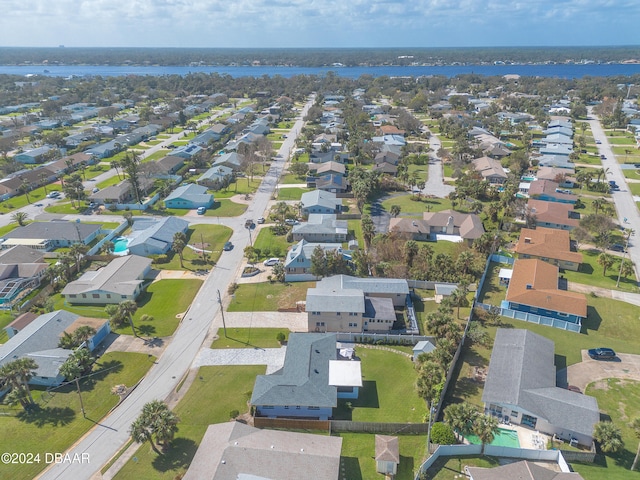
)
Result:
{"points": [[227, 246], [271, 262], [602, 353], [291, 221], [201, 210], [260, 220], [617, 247], [598, 142]]}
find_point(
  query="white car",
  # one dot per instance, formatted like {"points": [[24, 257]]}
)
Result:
{"points": [[271, 262]]}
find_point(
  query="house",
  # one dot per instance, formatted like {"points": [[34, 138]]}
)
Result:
{"points": [[320, 169], [297, 265], [448, 223], [564, 176], [321, 228], [522, 470], [332, 182], [412, 229], [234, 450], [232, 160], [20, 254], [386, 168], [122, 279], [558, 138], [170, 164], [533, 288], [106, 149], [342, 303], [553, 214], [102, 327], [319, 201], [187, 151], [556, 149], [309, 383], [70, 163], [387, 455], [20, 322], [154, 237], [490, 169], [550, 245], [215, 177], [189, 196], [205, 138], [521, 386], [38, 340], [548, 191], [121, 193], [51, 235], [35, 155], [18, 279], [557, 161]]}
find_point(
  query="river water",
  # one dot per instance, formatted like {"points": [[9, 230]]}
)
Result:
{"points": [[552, 70]]}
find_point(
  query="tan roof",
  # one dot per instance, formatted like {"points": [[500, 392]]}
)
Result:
{"points": [[390, 130], [387, 449], [408, 225], [535, 283], [552, 212], [550, 173], [85, 321], [469, 224], [23, 320], [523, 470], [547, 243], [489, 167], [548, 187]]}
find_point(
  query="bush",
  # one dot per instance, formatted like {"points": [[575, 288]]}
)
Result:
{"points": [[158, 259], [234, 413], [232, 288], [442, 434], [281, 337]]}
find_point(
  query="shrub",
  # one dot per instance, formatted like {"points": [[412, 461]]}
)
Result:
{"points": [[158, 259], [234, 413], [232, 288], [281, 337], [442, 434]]}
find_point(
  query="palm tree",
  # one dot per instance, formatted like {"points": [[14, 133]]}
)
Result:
{"points": [[155, 421], [368, 230], [395, 210], [16, 375], [458, 297], [178, 245], [77, 250], [126, 309], [485, 427], [107, 247], [608, 436], [411, 249], [73, 368], [115, 164], [83, 333], [626, 268], [606, 261], [460, 417], [598, 203], [24, 188], [20, 218]]}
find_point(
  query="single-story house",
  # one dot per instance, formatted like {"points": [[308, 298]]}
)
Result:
{"points": [[550, 245], [232, 160], [215, 177], [38, 339], [524, 469], [386, 168], [521, 386], [170, 164], [414, 229], [548, 191], [205, 138], [556, 149], [331, 167], [332, 183], [154, 237], [490, 169], [321, 228], [122, 279], [70, 163], [297, 265], [533, 288], [50, 235], [558, 138], [564, 176], [189, 196], [319, 201], [234, 450], [467, 226], [121, 193], [557, 161], [553, 214], [35, 155], [310, 381], [186, 151]]}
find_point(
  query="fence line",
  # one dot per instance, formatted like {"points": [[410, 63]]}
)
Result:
{"points": [[378, 427], [365, 337], [534, 318]]}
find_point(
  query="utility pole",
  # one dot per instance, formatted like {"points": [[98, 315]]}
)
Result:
{"points": [[629, 232], [224, 325], [429, 428]]}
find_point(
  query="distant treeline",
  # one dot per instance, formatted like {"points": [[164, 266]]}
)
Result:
{"points": [[312, 57]]}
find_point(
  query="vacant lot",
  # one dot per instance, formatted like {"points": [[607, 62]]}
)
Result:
{"points": [[268, 297]]}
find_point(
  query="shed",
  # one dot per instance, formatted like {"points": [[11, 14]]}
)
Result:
{"points": [[443, 290], [387, 454], [424, 346], [505, 276]]}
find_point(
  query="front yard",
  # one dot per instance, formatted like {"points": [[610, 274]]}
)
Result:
{"points": [[213, 237], [590, 273], [268, 297], [249, 338]]}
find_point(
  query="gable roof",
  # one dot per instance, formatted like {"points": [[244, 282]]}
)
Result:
{"points": [[548, 188], [409, 225], [535, 283], [320, 198], [552, 212], [321, 223], [489, 167], [20, 254], [523, 470], [547, 243], [304, 378], [299, 255], [469, 224], [335, 300], [58, 230], [190, 192], [160, 231], [369, 286]]}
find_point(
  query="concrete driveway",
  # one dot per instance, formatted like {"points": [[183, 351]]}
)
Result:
{"points": [[581, 374], [273, 358]]}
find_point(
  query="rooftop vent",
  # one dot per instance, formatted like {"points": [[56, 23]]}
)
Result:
{"points": [[527, 240], [529, 286]]}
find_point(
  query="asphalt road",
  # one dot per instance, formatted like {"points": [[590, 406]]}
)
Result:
{"points": [[108, 436]]}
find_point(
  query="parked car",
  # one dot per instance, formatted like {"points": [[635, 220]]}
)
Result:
{"points": [[603, 157], [598, 142], [602, 353], [617, 247], [95, 190], [291, 221], [201, 210], [271, 262], [249, 223], [228, 246], [260, 220]]}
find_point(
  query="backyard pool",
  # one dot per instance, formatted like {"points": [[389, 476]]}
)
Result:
{"points": [[120, 245], [504, 438]]}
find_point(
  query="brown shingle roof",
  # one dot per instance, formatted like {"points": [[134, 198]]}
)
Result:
{"points": [[387, 449], [552, 212], [469, 224], [535, 283], [548, 243], [548, 187], [408, 225]]}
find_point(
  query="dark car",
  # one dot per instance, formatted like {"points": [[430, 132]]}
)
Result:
{"points": [[227, 246], [617, 247], [602, 353]]}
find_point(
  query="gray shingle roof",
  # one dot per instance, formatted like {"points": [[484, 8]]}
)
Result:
{"points": [[335, 300], [320, 198], [159, 233], [304, 378], [367, 285], [59, 230], [190, 192]]}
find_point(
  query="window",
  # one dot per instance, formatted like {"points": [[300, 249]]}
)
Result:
{"points": [[353, 324], [563, 314], [338, 313], [314, 408], [286, 407], [123, 296], [72, 295], [352, 314], [514, 413], [319, 324], [315, 313], [95, 295], [84, 295], [108, 295]]}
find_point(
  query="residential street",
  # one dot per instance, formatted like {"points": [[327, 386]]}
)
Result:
{"points": [[111, 434]]}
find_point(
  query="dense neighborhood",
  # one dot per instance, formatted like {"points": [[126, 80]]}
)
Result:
{"points": [[257, 277]]}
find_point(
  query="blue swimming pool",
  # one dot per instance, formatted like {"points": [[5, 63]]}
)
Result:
{"points": [[120, 245], [504, 438]]}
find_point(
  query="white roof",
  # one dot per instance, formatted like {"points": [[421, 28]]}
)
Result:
{"points": [[26, 241], [345, 373], [505, 273]]}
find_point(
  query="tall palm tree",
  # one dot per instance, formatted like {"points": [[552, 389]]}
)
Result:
{"points": [[83, 333], [20, 218], [608, 436], [77, 250], [155, 421], [16, 375], [606, 261], [485, 427], [73, 368], [368, 230], [460, 417], [126, 310]]}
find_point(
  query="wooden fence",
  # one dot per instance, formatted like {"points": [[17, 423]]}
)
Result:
{"points": [[291, 423], [383, 428]]}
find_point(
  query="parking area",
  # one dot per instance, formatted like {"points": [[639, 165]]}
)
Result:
{"points": [[581, 374]]}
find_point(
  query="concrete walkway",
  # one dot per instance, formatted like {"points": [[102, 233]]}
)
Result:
{"points": [[273, 358]]}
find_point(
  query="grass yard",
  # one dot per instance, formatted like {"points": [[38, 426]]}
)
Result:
{"points": [[163, 152], [35, 196], [249, 338], [58, 419], [201, 406], [354, 227], [162, 300], [291, 179], [270, 244], [109, 182], [450, 468], [634, 188], [421, 170], [633, 174], [5, 319], [241, 186], [289, 194], [590, 273], [213, 236], [386, 377], [589, 159], [492, 292], [620, 399], [410, 204], [358, 450], [65, 208], [226, 208], [268, 297]]}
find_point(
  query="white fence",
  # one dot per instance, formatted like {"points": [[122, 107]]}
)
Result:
{"points": [[533, 318], [110, 236]]}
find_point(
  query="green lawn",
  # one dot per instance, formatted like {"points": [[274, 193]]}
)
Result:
{"points": [[5, 319], [354, 227], [162, 300], [213, 236], [290, 178], [590, 273], [95, 170], [386, 377], [421, 170], [216, 392], [109, 182], [240, 187], [451, 468], [35, 196], [163, 152], [268, 297], [249, 338], [358, 450], [620, 399], [58, 423], [65, 208], [633, 174], [589, 159], [289, 194], [226, 208], [410, 204], [634, 188], [271, 245], [492, 292]]}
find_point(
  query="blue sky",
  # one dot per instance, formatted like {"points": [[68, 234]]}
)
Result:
{"points": [[318, 23]]}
